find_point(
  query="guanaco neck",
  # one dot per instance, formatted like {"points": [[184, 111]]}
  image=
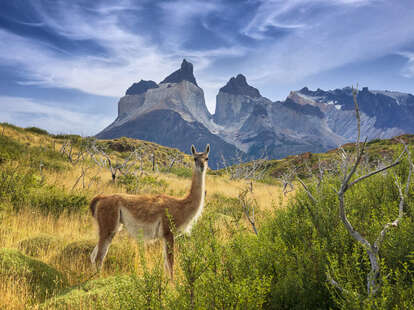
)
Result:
{"points": [[197, 191]]}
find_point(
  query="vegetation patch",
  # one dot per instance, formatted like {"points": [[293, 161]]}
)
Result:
{"points": [[120, 258], [55, 201], [182, 172], [229, 206], [38, 245], [37, 130], [114, 292], [142, 184], [10, 149], [42, 279], [15, 182]]}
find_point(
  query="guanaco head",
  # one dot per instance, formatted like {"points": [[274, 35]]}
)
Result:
{"points": [[200, 159]]}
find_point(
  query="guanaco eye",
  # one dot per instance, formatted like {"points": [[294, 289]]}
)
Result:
{"points": [[207, 158]]}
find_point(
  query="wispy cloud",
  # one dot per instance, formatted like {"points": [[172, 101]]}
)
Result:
{"points": [[27, 112], [128, 55], [408, 70], [293, 14], [273, 42], [332, 39]]}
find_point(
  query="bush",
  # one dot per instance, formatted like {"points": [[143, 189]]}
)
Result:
{"points": [[55, 201], [120, 257], [33, 156], [10, 149], [117, 292], [37, 130], [142, 184], [42, 279], [216, 274], [310, 241], [182, 172], [73, 138], [38, 245], [228, 206], [15, 184]]}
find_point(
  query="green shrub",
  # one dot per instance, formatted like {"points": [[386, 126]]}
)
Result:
{"points": [[37, 130], [18, 129], [42, 279], [228, 206], [47, 158], [310, 241], [10, 149], [33, 156], [37, 245], [55, 201], [120, 257], [142, 184], [73, 138], [215, 274], [15, 184], [182, 172], [119, 292]]}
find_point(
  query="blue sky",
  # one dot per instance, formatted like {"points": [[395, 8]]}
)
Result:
{"points": [[64, 64]]}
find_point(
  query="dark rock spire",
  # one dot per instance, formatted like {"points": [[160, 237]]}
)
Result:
{"points": [[238, 86], [185, 73], [140, 87]]}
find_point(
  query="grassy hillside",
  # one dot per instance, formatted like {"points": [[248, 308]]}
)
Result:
{"points": [[47, 233], [44, 207], [307, 164]]}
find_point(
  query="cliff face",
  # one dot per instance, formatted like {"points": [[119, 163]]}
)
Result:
{"points": [[246, 124], [180, 101], [168, 128], [261, 127], [384, 114]]}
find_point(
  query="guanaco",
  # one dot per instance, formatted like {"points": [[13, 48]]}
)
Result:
{"points": [[150, 216]]}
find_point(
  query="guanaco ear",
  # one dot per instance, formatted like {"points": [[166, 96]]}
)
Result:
{"points": [[207, 149], [193, 149]]}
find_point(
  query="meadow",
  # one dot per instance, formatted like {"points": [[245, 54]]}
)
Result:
{"points": [[302, 256]]}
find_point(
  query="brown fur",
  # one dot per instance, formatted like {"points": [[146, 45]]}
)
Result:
{"points": [[154, 214]]}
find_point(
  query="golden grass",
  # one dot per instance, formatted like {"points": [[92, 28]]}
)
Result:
{"points": [[68, 228], [14, 294], [76, 227]]}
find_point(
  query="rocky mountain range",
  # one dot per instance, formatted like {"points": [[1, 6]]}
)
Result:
{"points": [[247, 125]]}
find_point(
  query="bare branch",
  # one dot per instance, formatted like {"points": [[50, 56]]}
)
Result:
{"points": [[372, 250], [248, 208], [400, 205], [396, 162], [287, 180], [334, 283], [306, 190]]}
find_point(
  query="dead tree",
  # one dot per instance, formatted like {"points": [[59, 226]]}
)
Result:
{"points": [[248, 206], [81, 177], [114, 167], [349, 165], [287, 179], [254, 170], [72, 156], [153, 161], [174, 159]]}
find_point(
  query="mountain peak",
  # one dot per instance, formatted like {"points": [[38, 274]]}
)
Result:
{"points": [[184, 73], [140, 87], [238, 86]]}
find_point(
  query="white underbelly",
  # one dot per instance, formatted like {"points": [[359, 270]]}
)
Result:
{"points": [[138, 229]]}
